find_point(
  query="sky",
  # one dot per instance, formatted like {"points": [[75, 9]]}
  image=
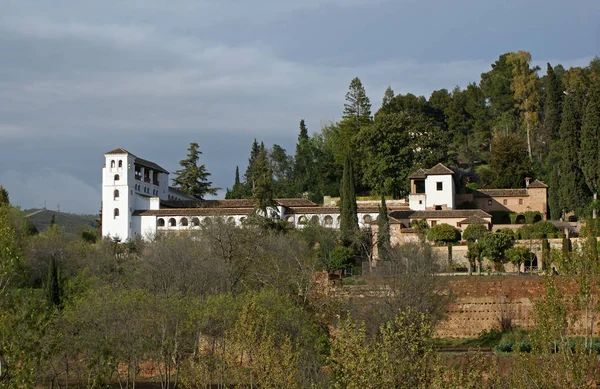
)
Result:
{"points": [[80, 78]]}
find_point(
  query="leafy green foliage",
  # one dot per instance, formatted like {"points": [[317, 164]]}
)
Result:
{"points": [[443, 233], [518, 255], [494, 245], [474, 232], [348, 207]]}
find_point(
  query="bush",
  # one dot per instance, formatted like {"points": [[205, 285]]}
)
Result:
{"points": [[524, 347], [551, 235], [508, 231], [474, 232], [505, 347], [340, 258], [489, 338], [443, 233]]}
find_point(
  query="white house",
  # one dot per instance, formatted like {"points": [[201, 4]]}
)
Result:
{"points": [[137, 201]]}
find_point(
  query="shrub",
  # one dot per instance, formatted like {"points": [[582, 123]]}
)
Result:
{"points": [[489, 338], [474, 232], [443, 233], [340, 258], [505, 347], [524, 347], [508, 231]]}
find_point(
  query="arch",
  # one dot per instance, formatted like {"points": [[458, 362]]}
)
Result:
{"points": [[231, 220], [120, 163], [242, 219], [537, 218], [117, 178], [116, 194], [112, 164], [195, 222], [160, 222], [339, 219], [328, 220], [172, 222], [183, 222], [116, 213], [367, 219], [314, 219], [520, 219], [531, 264], [290, 219], [302, 220]]}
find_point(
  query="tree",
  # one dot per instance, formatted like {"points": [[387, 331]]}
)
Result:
{"points": [[193, 178], [589, 154], [383, 230], [357, 107], [262, 191], [525, 88], [508, 161], [282, 167], [387, 153], [552, 107], [518, 255], [238, 190], [473, 232], [53, 220], [53, 286], [4, 200], [10, 254], [496, 87], [573, 192], [443, 233], [348, 207], [493, 245], [386, 102]]}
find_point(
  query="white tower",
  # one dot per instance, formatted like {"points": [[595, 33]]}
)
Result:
{"points": [[117, 194]]}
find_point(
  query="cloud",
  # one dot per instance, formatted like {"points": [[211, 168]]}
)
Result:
{"points": [[51, 188]]}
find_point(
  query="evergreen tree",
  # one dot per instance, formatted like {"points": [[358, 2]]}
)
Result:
{"points": [[357, 106], [53, 220], [386, 103], [348, 207], [262, 176], [282, 167], [238, 190], [250, 176], [553, 193], [53, 286], [552, 107], [509, 162], [496, 87], [193, 178], [589, 157], [4, 200], [303, 161], [573, 192], [383, 230]]}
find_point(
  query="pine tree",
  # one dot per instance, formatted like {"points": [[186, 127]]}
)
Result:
{"points": [[383, 230], [573, 192], [589, 158], [348, 207], [386, 103], [250, 179], [193, 178], [357, 106], [303, 135]]}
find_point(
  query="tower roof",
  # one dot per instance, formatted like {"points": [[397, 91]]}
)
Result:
{"points": [[537, 184], [118, 151], [439, 169]]}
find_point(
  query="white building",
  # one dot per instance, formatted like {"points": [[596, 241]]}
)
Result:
{"points": [[137, 201]]}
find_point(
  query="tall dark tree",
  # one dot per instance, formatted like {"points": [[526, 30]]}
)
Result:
{"points": [[4, 200], [282, 167], [250, 175], [383, 230], [554, 193], [589, 157], [573, 192], [238, 190], [496, 87], [358, 106], [348, 207], [552, 107], [53, 285], [386, 102], [304, 161], [193, 178], [509, 161], [262, 191], [53, 220]]}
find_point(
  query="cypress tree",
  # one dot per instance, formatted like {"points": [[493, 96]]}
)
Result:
{"points": [[573, 192], [589, 158], [348, 207], [53, 287], [237, 191], [552, 106], [53, 220], [250, 175], [4, 200], [383, 230], [303, 161], [553, 194], [262, 192], [303, 135]]}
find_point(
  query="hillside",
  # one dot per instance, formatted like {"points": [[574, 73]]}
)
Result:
{"points": [[71, 222]]}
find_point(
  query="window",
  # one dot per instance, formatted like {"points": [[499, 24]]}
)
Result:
{"points": [[439, 185], [117, 178], [489, 202], [160, 222], [505, 201], [419, 186], [367, 219], [116, 213], [112, 163], [116, 194], [120, 163], [172, 222], [196, 222], [183, 222], [438, 208], [302, 220], [420, 202], [328, 220], [520, 201], [314, 219], [433, 223], [231, 220]]}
